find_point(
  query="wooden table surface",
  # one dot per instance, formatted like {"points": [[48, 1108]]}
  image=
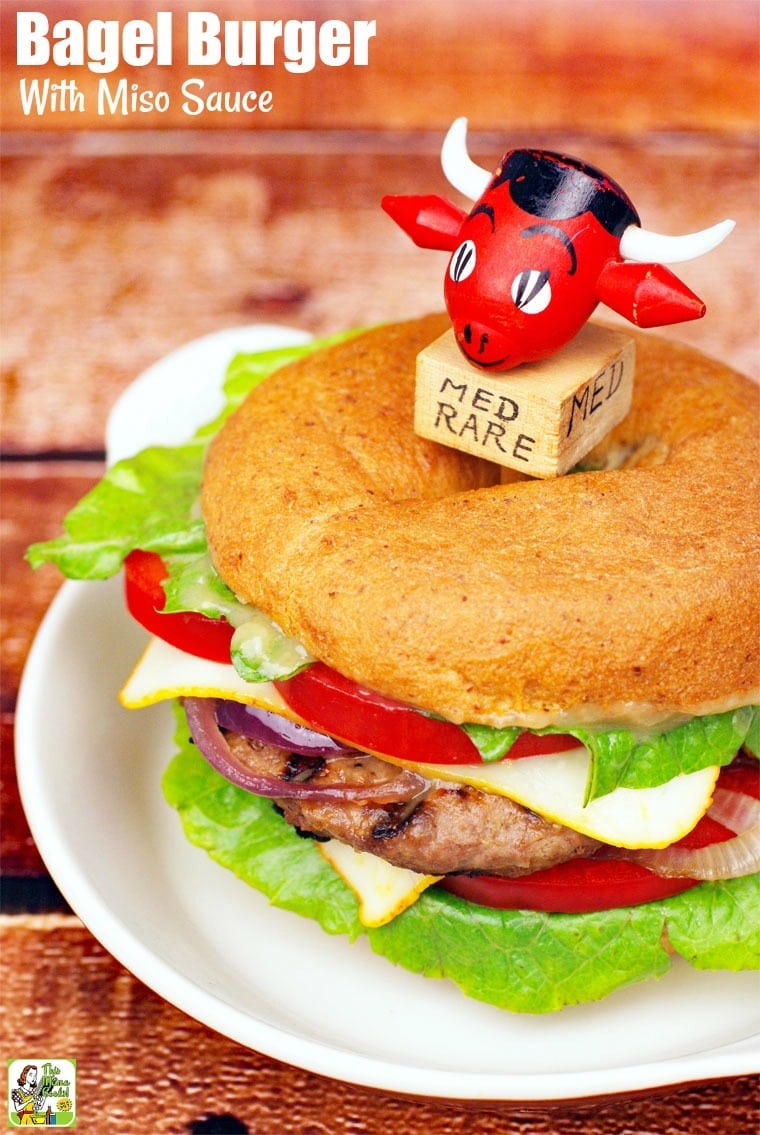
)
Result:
{"points": [[122, 241]]}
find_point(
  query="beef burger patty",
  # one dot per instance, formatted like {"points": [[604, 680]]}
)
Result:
{"points": [[444, 829]]}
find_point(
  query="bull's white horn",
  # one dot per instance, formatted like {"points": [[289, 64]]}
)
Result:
{"points": [[458, 167], [639, 244]]}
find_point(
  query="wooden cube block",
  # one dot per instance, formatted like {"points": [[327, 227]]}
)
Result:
{"points": [[540, 418]]}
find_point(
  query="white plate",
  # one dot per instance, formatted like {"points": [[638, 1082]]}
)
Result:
{"points": [[89, 773], [182, 391]]}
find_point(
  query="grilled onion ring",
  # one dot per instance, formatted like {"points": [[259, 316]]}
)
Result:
{"points": [[623, 595]]}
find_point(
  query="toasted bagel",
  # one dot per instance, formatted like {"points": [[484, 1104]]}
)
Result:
{"points": [[625, 593]]}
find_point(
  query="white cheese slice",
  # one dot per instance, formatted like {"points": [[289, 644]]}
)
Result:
{"points": [[383, 891], [165, 672], [554, 785]]}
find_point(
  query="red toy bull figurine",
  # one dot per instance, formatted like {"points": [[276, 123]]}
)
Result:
{"points": [[548, 238]]}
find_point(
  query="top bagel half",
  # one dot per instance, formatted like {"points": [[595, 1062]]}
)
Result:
{"points": [[626, 594]]}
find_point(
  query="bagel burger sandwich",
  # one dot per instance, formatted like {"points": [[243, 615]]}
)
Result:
{"points": [[504, 727]]}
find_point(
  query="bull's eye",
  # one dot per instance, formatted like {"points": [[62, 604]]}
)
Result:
{"points": [[463, 261], [532, 291]]}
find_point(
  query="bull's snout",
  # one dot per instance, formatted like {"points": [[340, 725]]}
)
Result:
{"points": [[476, 337], [481, 344]]}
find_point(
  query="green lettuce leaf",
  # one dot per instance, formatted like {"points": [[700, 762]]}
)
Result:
{"points": [[622, 758], [150, 501], [244, 833], [247, 370], [523, 961], [146, 501], [194, 585], [492, 744], [752, 740]]}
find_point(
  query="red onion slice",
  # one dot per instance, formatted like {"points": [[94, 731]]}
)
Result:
{"points": [[273, 729], [727, 860], [735, 810], [205, 731]]}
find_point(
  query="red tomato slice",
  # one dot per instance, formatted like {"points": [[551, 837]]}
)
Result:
{"points": [[144, 573], [584, 885], [334, 704], [576, 887], [339, 706], [706, 832], [739, 777], [535, 745]]}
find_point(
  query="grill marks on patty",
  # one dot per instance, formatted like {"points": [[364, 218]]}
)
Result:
{"points": [[446, 829]]}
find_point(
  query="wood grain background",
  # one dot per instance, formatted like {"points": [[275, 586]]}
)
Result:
{"points": [[619, 66], [124, 239]]}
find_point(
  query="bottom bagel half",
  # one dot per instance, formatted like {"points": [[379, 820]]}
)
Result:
{"points": [[515, 958]]}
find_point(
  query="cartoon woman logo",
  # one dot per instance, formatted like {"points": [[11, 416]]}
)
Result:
{"points": [[29, 1098]]}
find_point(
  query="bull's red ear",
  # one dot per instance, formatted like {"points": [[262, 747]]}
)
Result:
{"points": [[647, 294], [431, 221]]}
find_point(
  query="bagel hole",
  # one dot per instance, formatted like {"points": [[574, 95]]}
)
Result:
{"points": [[608, 455]]}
